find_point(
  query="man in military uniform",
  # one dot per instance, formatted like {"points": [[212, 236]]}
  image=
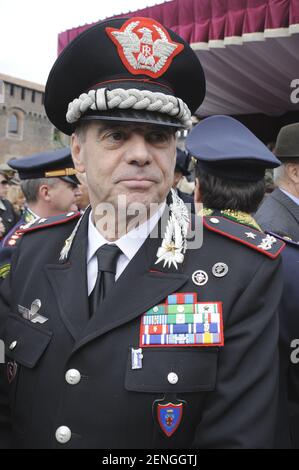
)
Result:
{"points": [[50, 187], [230, 169], [116, 338], [230, 184]]}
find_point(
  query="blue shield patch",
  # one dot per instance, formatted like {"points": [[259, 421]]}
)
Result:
{"points": [[169, 417]]}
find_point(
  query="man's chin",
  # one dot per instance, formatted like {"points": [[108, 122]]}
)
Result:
{"points": [[137, 198]]}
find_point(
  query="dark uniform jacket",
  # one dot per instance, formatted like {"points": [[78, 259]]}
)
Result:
{"points": [[279, 214], [288, 421], [226, 394], [7, 215]]}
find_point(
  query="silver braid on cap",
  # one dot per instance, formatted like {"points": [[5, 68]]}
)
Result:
{"points": [[145, 100]]}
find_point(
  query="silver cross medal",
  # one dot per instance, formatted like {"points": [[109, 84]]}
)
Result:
{"points": [[31, 314]]}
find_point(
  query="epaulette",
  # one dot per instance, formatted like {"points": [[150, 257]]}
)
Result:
{"points": [[4, 270], [267, 244], [5, 261], [12, 238], [48, 222], [285, 239], [236, 216]]}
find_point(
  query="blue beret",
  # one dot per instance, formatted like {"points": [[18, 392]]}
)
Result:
{"points": [[51, 164], [224, 147]]}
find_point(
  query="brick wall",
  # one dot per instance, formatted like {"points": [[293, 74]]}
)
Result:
{"points": [[35, 133]]}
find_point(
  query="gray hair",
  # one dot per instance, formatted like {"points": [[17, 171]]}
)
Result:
{"points": [[31, 187]]}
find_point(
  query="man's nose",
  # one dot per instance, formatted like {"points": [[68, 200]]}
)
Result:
{"points": [[138, 151], [77, 192]]}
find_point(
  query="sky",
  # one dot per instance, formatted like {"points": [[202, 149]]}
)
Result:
{"points": [[29, 30]]}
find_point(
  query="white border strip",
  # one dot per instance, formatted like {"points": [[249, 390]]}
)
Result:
{"points": [[247, 37]]}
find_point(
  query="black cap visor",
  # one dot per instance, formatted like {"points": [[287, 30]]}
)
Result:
{"points": [[131, 115], [70, 179]]}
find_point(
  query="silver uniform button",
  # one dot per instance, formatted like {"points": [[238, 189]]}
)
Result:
{"points": [[172, 378], [214, 220], [13, 345], [73, 377], [63, 434]]}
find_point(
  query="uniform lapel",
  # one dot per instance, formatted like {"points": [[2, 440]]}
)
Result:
{"points": [[69, 283], [141, 286]]}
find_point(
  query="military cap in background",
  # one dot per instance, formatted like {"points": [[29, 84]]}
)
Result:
{"points": [[51, 164], [182, 162], [7, 171], [287, 144], [225, 148], [125, 70]]}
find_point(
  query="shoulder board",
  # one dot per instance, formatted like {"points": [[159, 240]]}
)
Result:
{"points": [[285, 239], [11, 239], [5, 260], [48, 222], [267, 244], [4, 271]]}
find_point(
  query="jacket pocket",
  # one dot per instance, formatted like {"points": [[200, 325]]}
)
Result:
{"points": [[193, 370], [25, 342]]}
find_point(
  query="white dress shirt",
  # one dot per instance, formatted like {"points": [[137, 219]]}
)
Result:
{"points": [[129, 244]]}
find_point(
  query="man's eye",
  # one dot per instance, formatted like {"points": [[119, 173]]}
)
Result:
{"points": [[159, 137], [116, 136]]}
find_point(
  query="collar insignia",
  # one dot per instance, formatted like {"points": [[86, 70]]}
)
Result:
{"points": [[174, 244]]}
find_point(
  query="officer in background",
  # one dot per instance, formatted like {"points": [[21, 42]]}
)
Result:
{"points": [[8, 218], [181, 170], [48, 182], [231, 185], [116, 338], [8, 172], [230, 169], [50, 188]]}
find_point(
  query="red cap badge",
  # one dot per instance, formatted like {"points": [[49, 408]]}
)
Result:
{"points": [[144, 46]]}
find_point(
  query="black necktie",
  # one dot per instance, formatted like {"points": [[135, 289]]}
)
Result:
{"points": [[107, 257]]}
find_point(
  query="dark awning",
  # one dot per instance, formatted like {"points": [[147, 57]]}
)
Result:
{"points": [[249, 50]]}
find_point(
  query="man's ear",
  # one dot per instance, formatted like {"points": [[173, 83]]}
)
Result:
{"points": [[43, 193], [77, 154], [293, 172]]}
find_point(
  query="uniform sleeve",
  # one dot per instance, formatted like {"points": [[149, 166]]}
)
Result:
{"points": [[241, 411]]}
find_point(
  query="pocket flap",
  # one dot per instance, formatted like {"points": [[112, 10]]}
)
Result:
{"points": [[196, 370], [29, 341]]}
